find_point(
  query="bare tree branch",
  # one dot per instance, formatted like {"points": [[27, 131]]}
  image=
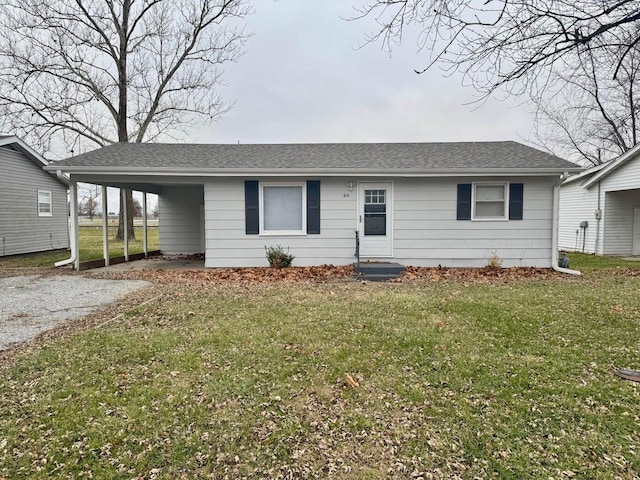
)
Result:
{"points": [[94, 72]]}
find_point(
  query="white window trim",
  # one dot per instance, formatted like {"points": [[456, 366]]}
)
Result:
{"points": [[50, 212], [273, 233], [503, 218]]}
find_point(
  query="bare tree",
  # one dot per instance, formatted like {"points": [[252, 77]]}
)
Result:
{"points": [[587, 113], [89, 200], [137, 208], [505, 42], [93, 72], [551, 50]]}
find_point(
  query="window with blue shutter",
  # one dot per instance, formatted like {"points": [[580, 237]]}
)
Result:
{"points": [[282, 208], [488, 201]]}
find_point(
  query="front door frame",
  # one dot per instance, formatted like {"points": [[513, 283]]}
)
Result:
{"points": [[376, 247]]}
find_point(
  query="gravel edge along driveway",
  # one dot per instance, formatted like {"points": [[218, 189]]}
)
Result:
{"points": [[31, 304]]}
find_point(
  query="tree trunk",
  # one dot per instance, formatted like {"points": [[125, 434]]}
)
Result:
{"points": [[132, 234]]}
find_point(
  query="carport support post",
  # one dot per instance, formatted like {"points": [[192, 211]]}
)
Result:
{"points": [[105, 227], [73, 192], [125, 220], [144, 224]]}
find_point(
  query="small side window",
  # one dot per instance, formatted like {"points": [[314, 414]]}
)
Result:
{"points": [[44, 203], [490, 201]]}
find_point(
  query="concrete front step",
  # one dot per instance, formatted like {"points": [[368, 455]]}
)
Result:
{"points": [[379, 272]]}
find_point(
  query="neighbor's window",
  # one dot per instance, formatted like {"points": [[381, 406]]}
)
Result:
{"points": [[283, 209], [44, 203], [490, 201]]}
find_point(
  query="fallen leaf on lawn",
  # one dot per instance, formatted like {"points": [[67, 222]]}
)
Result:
{"points": [[350, 381]]}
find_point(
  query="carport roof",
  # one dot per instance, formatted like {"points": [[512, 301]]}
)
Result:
{"points": [[382, 157]]}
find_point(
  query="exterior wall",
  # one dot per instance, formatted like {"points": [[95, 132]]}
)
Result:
{"points": [[425, 228], [428, 234], [577, 205], [618, 223], [180, 211], [21, 229], [229, 246]]}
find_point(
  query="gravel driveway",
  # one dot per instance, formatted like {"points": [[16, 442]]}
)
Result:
{"points": [[32, 304]]}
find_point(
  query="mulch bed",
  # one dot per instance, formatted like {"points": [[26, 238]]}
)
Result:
{"points": [[325, 273]]}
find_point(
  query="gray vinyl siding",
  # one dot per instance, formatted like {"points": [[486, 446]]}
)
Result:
{"points": [[626, 177], [577, 205], [180, 219], [228, 245], [21, 229], [426, 232], [425, 229], [618, 223]]}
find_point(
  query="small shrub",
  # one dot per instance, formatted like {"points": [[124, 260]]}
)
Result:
{"points": [[277, 256], [495, 262]]}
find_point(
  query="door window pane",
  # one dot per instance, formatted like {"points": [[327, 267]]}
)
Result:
{"points": [[282, 208], [375, 212]]}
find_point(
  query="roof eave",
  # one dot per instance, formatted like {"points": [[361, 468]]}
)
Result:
{"points": [[327, 172]]}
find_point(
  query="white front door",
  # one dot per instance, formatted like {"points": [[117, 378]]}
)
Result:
{"points": [[635, 249], [375, 201]]}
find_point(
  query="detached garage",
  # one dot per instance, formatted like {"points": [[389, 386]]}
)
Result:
{"points": [[600, 208]]}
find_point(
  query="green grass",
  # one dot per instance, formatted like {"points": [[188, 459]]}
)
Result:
{"points": [[90, 248], [592, 263], [91, 242], [503, 380]]}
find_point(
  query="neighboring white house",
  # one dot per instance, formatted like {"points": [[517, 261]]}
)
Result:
{"points": [[34, 216], [424, 204], [600, 208]]}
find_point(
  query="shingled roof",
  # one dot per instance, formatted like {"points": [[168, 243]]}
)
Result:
{"points": [[315, 157]]}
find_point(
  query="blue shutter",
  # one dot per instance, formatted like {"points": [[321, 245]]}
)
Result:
{"points": [[251, 207], [464, 201], [516, 204], [313, 206]]}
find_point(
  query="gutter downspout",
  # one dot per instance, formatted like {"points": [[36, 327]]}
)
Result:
{"points": [[554, 230], [73, 216]]}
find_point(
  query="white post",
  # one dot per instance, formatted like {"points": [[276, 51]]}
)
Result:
{"points": [[144, 224], [105, 227], [75, 248], [125, 228]]}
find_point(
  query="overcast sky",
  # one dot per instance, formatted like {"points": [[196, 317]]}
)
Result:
{"points": [[304, 79]]}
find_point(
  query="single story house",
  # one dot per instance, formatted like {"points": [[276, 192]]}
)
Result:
{"points": [[34, 215], [600, 208], [423, 204]]}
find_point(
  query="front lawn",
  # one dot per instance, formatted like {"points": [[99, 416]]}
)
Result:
{"points": [[446, 379]]}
